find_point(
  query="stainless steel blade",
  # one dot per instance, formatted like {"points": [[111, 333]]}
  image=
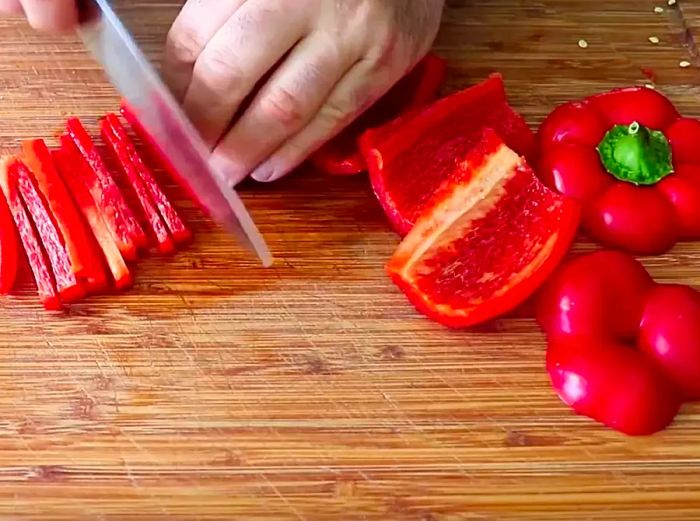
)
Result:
{"points": [[140, 85]]}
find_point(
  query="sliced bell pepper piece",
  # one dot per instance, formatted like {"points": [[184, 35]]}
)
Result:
{"points": [[409, 162], [69, 288], [118, 216], [632, 162], [486, 241], [79, 243], [35, 256], [180, 232], [9, 248], [73, 173], [342, 156], [623, 349], [156, 224]]}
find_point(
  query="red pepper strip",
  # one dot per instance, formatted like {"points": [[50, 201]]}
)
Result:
{"points": [[35, 255], [157, 227], [73, 173], [341, 155], [181, 234], [69, 289], [623, 349], [78, 240], [487, 240], [9, 248], [409, 162], [632, 162], [118, 216]]}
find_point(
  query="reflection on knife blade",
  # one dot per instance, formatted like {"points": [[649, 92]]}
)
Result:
{"points": [[138, 82]]}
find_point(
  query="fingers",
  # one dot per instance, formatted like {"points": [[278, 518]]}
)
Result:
{"points": [[246, 47], [10, 7], [360, 87], [51, 15], [197, 23], [284, 106]]}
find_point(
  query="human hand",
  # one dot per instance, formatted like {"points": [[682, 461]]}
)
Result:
{"points": [[308, 68], [45, 15]]}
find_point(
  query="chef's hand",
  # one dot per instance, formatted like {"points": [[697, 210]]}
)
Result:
{"points": [[46, 15], [321, 62]]}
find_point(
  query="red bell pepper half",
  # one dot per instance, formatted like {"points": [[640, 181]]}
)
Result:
{"points": [[114, 140], [69, 288], [408, 159], [120, 219], [341, 155], [72, 171], [37, 260], [180, 233], [489, 237], [9, 247], [623, 349], [632, 162], [78, 240]]}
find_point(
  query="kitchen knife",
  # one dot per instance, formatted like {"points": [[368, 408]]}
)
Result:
{"points": [[140, 85]]}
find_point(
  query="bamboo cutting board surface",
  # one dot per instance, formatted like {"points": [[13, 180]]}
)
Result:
{"points": [[217, 390]]}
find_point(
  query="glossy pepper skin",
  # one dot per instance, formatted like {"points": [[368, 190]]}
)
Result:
{"points": [[623, 349], [633, 163]]}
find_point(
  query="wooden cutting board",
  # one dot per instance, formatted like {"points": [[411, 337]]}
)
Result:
{"points": [[219, 390]]}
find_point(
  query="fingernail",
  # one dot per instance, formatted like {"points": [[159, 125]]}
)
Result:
{"points": [[264, 173], [234, 172]]}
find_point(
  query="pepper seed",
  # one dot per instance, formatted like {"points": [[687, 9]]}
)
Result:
{"points": [[583, 44], [654, 39], [685, 64], [658, 10]]}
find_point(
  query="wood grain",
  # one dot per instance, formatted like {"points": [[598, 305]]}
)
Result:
{"points": [[217, 390]]}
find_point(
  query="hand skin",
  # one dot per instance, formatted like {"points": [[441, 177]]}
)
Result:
{"points": [[267, 82]]}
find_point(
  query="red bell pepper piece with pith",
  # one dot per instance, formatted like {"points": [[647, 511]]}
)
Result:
{"points": [[67, 284], [409, 158], [179, 231], [633, 163], [115, 142], [79, 242], [35, 255], [341, 155], [117, 214], [623, 349], [72, 172]]}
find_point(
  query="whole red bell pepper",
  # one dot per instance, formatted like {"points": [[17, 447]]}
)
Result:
{"points": [[634, 164], [623, 349]]}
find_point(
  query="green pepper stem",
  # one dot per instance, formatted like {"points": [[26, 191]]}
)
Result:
{"points": [[636, 154]]}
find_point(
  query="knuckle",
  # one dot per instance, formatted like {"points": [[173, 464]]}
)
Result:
{"points": [[284, 106], [217, 71], [337, 114], [185, 43]]}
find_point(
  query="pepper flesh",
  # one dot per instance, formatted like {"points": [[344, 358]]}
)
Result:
{"points": [[9, 248], [179, 231], [487, 240], [618, 210], [69, 288], [35, 255], [72, 172], [120, 219], [157, 227], [78, 240], [409, 158], [623, 349], [341, 155]]}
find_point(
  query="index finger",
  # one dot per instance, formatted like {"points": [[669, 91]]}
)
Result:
{"points": [[51, 15]]}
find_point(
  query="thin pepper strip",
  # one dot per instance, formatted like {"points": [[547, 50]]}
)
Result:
{"points": [[72, 173], [342, 156], [180, 232], [35, 256], [157, 226], [9, 249], [120, 219], [77, 238], [69, 288]]}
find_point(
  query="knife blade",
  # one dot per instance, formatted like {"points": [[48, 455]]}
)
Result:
{"points": [[139, 84]]}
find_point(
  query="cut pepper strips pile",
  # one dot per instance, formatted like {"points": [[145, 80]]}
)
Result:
{"points": [[74, 222]]}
